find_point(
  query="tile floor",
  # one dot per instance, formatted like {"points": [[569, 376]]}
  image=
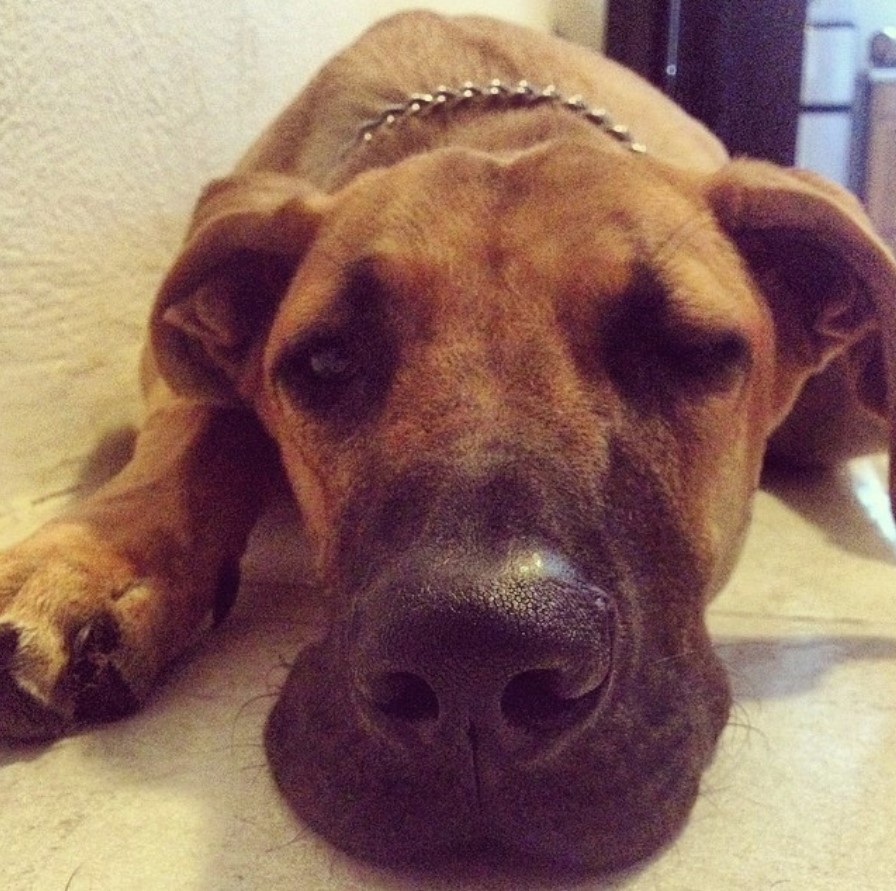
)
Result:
{"points": [[802, 794]]}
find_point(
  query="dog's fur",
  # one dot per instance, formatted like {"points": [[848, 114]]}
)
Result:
{"points": [[522, 381]]}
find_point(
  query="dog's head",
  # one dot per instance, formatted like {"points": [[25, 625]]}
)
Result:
{"points": [[523, 404]]}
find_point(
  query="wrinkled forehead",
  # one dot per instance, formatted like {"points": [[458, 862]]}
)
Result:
{"points": [[560, 191], [560, 220]]}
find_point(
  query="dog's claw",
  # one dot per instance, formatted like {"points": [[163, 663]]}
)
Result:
{"points": [[225, 596], [65, 659], [25, 718], [90, 689], [98, 690], [100, 636], [91, 684]]}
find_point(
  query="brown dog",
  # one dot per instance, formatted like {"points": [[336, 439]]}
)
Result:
{"points": [[521, 371]]}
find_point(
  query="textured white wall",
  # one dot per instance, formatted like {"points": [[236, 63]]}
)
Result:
{"points": [[582, 20], [113, 113]]}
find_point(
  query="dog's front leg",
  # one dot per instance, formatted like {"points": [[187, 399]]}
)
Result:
{"points": [[93, 605]]}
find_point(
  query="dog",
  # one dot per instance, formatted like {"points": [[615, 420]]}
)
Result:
{"points": [[521, 366]]}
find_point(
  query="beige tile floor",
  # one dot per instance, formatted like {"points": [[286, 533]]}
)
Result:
{"points": [[802, 794]]}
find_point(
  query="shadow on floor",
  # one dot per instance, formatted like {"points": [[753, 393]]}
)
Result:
{"points": [[763, 668]]}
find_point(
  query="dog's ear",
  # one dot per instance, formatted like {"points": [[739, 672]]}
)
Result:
{"points": [[829, 279], [245, 242]]}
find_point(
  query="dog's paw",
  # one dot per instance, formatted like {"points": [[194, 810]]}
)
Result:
{"points": [[78, 634]]}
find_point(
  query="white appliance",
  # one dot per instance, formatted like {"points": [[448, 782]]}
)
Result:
{"points": [[825, 128]]}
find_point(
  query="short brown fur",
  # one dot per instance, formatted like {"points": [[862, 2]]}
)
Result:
{"points": [[485, 338]]}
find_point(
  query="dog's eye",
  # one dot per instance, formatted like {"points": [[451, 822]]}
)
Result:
{"points": [[657, 365], [341, 376], [320, 372], [709, 357], [332, 362]]}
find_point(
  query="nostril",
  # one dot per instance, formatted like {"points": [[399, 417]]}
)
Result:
{"points": [[539, 700], [404, 696]]}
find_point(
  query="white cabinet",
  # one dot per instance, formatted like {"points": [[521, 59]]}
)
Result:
{"points": [[880, 173]]}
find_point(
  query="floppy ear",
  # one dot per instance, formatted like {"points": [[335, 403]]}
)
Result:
{"points": [[829, 279], [214, 308]]}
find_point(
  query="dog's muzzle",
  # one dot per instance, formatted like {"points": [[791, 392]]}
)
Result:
{"points": [[494, 693]]}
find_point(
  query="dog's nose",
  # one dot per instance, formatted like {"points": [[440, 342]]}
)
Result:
{"points": [[515, 653]]}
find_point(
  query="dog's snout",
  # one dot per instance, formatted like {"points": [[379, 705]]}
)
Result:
{"points": [[517, 653]]}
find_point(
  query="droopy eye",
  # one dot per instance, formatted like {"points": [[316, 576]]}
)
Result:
{"points": [[703, 355], [332, 361], [657, 366], [320, 372]]}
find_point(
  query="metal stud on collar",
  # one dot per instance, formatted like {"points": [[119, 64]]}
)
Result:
{"points": [[496, 93]]}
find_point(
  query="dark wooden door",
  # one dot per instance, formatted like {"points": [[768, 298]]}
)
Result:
{"points": [[735, 64]]}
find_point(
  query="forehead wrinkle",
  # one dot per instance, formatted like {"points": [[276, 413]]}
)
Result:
{"points": [[679, 236], [704, 279]]}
